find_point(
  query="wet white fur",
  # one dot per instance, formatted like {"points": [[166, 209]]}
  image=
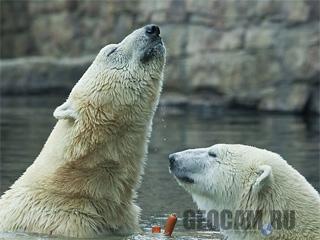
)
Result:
{"points": [[83, 182], [247, 178]]}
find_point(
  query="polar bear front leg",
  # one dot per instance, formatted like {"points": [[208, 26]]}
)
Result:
{"points": [[131, 224], [65, 111]]}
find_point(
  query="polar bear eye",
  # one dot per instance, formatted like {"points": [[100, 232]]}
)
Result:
{"points": [[112, 51], [212, 154]]}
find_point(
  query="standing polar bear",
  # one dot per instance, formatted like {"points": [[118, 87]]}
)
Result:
{"points": [[83, 182], [257, 194]]}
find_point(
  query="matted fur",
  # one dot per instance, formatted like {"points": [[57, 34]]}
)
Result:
{"points": [[83, 182]]}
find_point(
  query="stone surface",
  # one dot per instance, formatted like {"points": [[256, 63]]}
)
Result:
{"points": [[285, 98], [203, 39], [258, 37], [175, 77], [257, 54], [174, 99], [175, 36], [41, 74], [315, 99], [296, 11], [231, 40]]}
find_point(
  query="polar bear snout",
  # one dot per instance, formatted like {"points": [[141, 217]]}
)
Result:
{"points": [[181, 168], [172, 161], [152, 30], [144, 45], [153, 47], [176, 163]]}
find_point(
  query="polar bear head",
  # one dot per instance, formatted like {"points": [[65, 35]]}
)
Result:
{"points": [[120, 89], [221, 176], [142, 49], [125, 74], [238, 177]]}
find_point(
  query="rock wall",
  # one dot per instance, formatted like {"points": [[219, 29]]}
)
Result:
{"points": [[256, 54]]}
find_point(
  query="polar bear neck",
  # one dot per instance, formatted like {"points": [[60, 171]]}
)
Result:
{"points": [[299, 197], [106, 147], [113, 151]]}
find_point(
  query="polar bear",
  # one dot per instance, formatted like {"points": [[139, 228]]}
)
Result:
{"points": [[256, 192], [83, 182]]}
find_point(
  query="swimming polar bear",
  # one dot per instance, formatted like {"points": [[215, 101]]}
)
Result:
{"points": [[256, 192], [83, 182]]}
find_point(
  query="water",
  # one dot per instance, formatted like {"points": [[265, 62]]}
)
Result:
{"points": [[27, 121]]}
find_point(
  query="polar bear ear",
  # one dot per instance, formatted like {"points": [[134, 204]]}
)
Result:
{"points": [[65, 111], [264, 178]]}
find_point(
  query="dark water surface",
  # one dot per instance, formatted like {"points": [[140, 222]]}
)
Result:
{"points": [[27, 121]]}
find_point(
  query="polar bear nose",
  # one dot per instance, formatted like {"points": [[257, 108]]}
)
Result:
{"points": [[172, 159], [152, 30]]}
